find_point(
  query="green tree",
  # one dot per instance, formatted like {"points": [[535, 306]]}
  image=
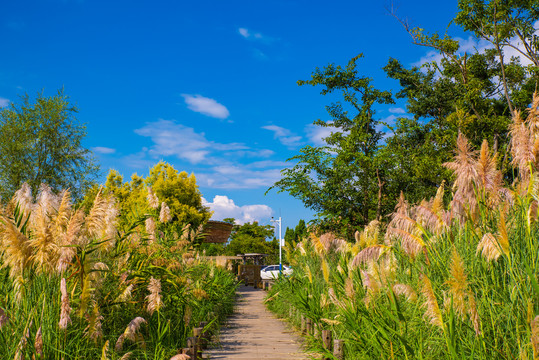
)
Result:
{"points": [[180, 192], [177, 190], [41, 142], [296, 234], [344, 180], [473, 92], [252, 238]]}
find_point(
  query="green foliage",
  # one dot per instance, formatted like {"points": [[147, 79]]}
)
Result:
{"points": [[180, 192], [296, 234], [357, 177], [110, 283], [177, 190], [41, 142], [339, 180], [252, 238], [381, 306]]}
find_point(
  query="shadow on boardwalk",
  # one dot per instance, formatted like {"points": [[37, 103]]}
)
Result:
{"points": [[253, 332]]}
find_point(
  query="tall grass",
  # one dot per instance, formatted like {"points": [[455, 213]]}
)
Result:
{"points": [[447, 282], [74, 286]]}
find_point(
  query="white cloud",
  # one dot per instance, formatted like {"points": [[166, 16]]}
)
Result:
{"points": [[138, 160], [389, 120], [285, 136], [397, 110], [471, 45], [4, 102], [173, 139], [206, 106], [223, 207], [239, 176], [103, 150], [246, 33], [263, 153], [316, 134]]}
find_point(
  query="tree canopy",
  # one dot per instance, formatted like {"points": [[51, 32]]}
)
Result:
{"points": [[337, 180], [251, 238], [41, 142], [360, 172], [164, 186]]}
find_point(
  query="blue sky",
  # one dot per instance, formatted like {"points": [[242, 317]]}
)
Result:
{"points": [[208, 86]]}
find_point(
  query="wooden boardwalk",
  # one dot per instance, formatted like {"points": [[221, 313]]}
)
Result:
{"points": [[253, 333]]}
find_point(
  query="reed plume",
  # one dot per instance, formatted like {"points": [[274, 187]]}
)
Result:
{"points": [[430, 214], [126, 294], [154, 298], [38, 343], [308, 273], [406, 290], [95, 220], [104, 351], [521, 145], [4, 318], [370, 235], [94, 329], [325, 270], [411, 242], [464, 168], [164, 214], [65, 310], [150, 229], [130, 332], [535, 337], [16, 250], [458, 285], [432, 312], [153, 201], [371, 253], [463, 299], [23, 198], [489, 178], [488, 247]]}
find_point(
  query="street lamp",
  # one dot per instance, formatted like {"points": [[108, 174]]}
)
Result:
{"points": [[280, 245]]}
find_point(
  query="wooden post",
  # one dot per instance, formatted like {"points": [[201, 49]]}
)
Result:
{"points": [[338, 350], [193, 348], [198, 333], [308, 326], [326, 339], [302, 324]]}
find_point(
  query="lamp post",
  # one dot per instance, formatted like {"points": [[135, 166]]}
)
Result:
{"points": [[280, 245]]}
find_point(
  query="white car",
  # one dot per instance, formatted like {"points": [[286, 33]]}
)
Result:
{"points": [[271, 272]]}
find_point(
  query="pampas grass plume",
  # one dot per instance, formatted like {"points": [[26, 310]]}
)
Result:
{"points": [[154, 298], [153, 201], [164, 214], [432, 312], [65, 320]]}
